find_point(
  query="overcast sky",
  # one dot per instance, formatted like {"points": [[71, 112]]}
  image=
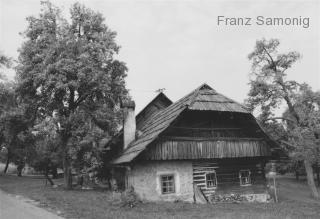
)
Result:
{"points": [[178, 45]]}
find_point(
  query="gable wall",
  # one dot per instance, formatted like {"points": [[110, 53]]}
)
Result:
{"points": [[215, 124], [204, 135], [153, 107]]}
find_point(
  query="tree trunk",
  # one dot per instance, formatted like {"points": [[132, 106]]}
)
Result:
{"points": [[54, 172], [297, 175], [19, 169], [66, 162], [310, 178], [80, 180], [19, 173], [7, 164], [49, 179], [318, 175], [67, 171], [46, 174]]}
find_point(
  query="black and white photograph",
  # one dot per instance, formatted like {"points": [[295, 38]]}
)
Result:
{"points": [[147, 109]]}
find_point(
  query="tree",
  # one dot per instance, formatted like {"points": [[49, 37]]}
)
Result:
{"points": [[15, 134], [304, 139], [7, 97], [6, 62], [9, 114], [269, 88], [68, 69], [47, 156]]}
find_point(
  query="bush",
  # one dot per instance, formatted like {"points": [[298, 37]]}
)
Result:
{"points": [[129, 198]]}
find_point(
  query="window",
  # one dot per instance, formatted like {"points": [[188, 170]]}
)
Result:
{"points": [[167, 184], [211, 179], [245, 178]]}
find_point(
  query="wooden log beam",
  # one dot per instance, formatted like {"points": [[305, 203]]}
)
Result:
{"points": [[210, 129], [210, 138]]}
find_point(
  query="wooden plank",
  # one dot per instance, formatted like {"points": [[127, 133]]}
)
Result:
{"points": [[187, 138], [198, 172], [199, 196], [169, 150], [200, 180], [202, 176], [204, 168]]}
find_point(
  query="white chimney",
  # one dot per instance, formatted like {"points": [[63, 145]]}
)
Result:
{"points": [[129, 123]]}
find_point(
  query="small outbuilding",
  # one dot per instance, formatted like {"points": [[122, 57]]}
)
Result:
{"points": [[202, 146]]}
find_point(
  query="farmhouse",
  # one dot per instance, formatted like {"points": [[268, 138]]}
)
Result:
{"points": [[203, 145]]}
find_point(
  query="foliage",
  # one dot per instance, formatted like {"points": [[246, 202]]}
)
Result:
{"points": [[47, 150], [268, 85], [68, 69], [5, 62], [129, 198], [305, 137], [269, 88], [15, 135], [7, 95]]}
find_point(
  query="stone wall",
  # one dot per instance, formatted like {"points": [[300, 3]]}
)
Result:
{"points": [[145, 179]]}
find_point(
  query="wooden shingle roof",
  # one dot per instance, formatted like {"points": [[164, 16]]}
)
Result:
{"points": [[158, 103], [202, 98]]}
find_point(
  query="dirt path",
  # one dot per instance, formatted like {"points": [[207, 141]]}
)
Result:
{"points": [[12, 207]]}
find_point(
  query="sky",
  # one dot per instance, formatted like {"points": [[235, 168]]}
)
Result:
{"points": [[178, 45]]}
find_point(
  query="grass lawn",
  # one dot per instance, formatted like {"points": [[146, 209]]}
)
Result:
{"points": [[294, 197]]}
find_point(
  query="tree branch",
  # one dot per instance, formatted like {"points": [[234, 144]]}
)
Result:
{"points": [[287, 143], [81, 98], [71, 98], [103, 125], [288, 101], [280, 82], [275, 118], [272, 61]]}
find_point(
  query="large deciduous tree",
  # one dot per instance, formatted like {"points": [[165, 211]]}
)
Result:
{"points": [[270, 88], [68, 69], [305, 138], [15, 137]]}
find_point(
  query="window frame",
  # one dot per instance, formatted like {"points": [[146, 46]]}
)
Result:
{"points": [[215, 178], [173, 186], [249, 177]]}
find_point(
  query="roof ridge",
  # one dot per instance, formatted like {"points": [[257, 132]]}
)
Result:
{"points": [[192, 99], [196, 93]]}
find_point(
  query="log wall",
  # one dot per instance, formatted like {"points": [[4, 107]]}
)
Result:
{"points": [[227, 172]]}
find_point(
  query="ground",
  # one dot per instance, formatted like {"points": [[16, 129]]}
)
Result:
{"points": [[294, 197], [14, 207]]}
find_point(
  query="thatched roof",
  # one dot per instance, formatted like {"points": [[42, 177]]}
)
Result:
{"points": [[202, 98]]}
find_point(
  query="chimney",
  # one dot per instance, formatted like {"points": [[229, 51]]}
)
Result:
{"points": [[129, 123]]}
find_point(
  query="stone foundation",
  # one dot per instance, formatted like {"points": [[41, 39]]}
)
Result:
{"points": [[262, 198], [237, 198]]}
